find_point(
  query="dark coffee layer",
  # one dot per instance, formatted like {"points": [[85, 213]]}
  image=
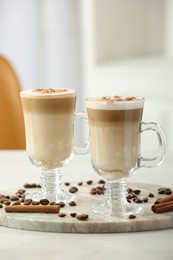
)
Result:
{"points": [[103, 117], [50, 105]]}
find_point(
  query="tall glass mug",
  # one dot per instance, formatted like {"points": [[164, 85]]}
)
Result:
{"points": [[116, 125], [49, 116]]}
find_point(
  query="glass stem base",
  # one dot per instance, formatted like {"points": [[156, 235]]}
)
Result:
{"points": [[50, 188], [116, 203]]}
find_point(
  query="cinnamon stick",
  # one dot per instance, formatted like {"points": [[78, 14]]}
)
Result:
{"points": [[33, 208], [162, 207], [165, 199]]}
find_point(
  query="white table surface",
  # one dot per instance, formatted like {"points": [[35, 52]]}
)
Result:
{"points": [[16, 169]]}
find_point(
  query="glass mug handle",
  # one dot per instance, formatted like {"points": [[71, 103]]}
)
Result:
{"points": [[157, 160], [85, 148]]}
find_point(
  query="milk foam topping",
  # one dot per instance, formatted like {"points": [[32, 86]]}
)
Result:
{"points": [[46, 92], [115, 102]]}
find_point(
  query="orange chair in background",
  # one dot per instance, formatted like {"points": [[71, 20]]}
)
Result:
{"points": [[12, 132]]}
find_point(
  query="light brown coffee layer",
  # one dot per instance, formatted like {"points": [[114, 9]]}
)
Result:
{"points": [[100, 117], [49, 106]]}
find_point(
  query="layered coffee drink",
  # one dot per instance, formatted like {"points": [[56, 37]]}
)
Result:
{"points": [[49, 120], [114, 124]]}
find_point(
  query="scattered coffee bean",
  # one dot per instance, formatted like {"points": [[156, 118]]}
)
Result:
{"points": [[80, 183], [72, 203], [101, 182], [136, 192], [52, 203], [1, 206], [27, 202], [131, 216], [3, 199], [16, 203], [20, 191], [166, 191], [129, 190], [151, 195], [27, 185], [100, 190], [73, 215], [44, 201], [61, 215], [97, 190], [14, 198], [61, 204], [73, 189], [33, 185], [36, 203], [145, 199], [66, 183], [7, 202], [93, 191], [89, 182], [137, 200], [82, 217]]}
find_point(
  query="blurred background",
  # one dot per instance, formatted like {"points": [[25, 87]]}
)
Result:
{"points": [[97, 47]]}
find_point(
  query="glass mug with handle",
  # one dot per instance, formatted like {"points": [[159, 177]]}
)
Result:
{"points": [[49, 116], [115, 125]]}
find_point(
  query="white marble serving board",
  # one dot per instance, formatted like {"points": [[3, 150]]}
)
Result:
{"points": [[53, 223]]}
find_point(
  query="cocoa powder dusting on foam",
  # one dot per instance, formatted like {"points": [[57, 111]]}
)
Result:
{"points": [[117, 98], [49, 90]]}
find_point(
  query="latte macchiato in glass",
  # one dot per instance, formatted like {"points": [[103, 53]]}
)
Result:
{"points": [[116, 125], [49, 116], [114, 130]]}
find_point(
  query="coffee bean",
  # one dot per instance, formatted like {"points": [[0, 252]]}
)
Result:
{"points": [[61, 204], [93, 191], [61, 215], [27, 202], [101, 182], [20, 191], [89, 182], [1, 206], [7, 202], [16, 203], [145, 199], [35, 203], [131, 216], [136, 192], [137, 200], [166, 191], [27, 185], [14, 198], [67, 183], [80, 183], [33, 185], [150, 195], [52, 203], [82, 217], [73, 215], [73, 189], [129, 190], [72, 203], [44, 201]]}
